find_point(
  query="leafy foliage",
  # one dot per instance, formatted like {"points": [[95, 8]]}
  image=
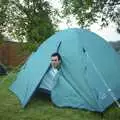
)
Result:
{"points": [[29, 20], [89, 11], [3, 17]]}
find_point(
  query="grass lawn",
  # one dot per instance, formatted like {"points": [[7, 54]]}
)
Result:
{"points": [[41, 108]]}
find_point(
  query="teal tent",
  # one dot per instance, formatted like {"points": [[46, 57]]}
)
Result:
{"points": [[89, 76]]}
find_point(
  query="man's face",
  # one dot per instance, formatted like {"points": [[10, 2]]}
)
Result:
{"points": [[55, 62]]}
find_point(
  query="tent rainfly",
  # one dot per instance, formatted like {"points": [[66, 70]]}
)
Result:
{"points": [[89, 76]]}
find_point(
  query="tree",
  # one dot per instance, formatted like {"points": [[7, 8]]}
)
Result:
{"points": [[29, 20], [3, 7], [88, 12]]}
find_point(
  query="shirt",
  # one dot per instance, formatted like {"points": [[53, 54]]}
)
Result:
{"points": [[48, 81]]}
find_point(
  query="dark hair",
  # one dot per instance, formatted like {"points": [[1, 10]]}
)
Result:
{"points": [[56, 54]]}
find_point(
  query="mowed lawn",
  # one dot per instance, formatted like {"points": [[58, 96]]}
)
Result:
{"points": [[40, 107]]}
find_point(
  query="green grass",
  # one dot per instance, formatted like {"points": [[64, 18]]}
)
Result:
{"points": [[41, 108]]}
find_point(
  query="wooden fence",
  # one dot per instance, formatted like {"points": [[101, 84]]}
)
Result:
{"points": [[11, 55]]}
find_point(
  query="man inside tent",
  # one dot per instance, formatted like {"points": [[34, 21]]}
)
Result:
{"points": [[48, 81]]}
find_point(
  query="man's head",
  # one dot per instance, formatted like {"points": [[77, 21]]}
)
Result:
{"points": [[55, 60]]}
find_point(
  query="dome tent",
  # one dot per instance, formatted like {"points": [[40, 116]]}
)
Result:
{"points": [[88, 77]]}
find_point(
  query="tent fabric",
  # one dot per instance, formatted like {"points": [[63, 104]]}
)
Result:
{"points": [[34, 69], [88, 77]]}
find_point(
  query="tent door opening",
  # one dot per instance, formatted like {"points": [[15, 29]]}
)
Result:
{"points": [[48, 81]]}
